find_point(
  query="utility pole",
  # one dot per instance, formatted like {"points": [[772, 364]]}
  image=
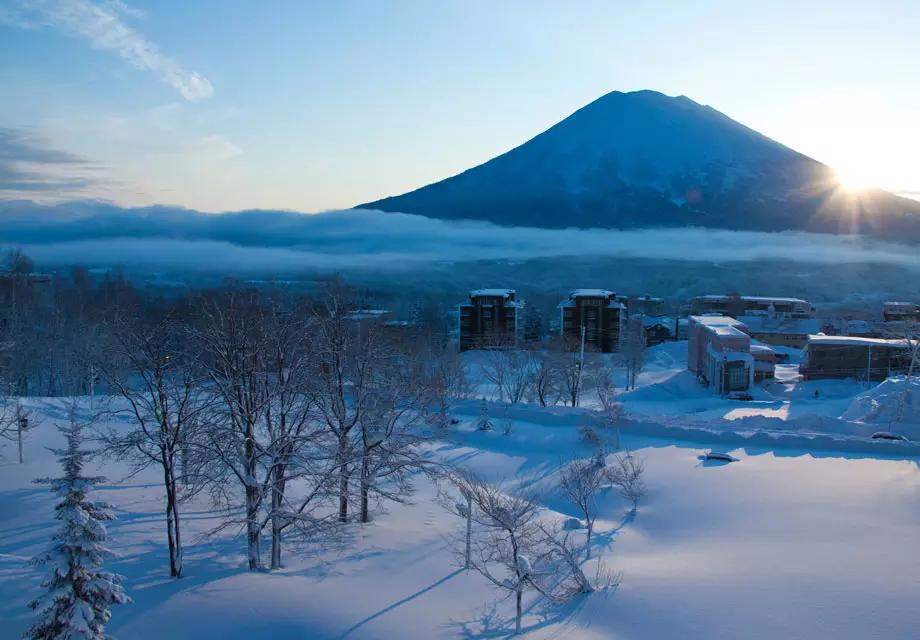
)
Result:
{"points": [[581, 363], [92, 386], [869, 368], [22, 424]]}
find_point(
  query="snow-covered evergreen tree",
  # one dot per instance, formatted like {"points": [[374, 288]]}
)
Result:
{"points": [[484, 424], [78, 593]]}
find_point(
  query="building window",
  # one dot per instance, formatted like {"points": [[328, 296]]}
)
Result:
{"points": [[737, 378]]}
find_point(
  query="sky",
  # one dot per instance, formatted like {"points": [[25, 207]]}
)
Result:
{"points": [[225, 105]]}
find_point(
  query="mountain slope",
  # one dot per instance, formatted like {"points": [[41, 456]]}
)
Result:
{"points": [[644, 159]]}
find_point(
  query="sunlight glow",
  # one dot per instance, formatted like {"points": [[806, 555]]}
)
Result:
{"points": [[854, 181]]}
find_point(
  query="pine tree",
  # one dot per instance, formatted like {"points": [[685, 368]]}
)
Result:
{"points": [[484, 423], [76, 605]]}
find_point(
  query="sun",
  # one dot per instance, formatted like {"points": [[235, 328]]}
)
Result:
{"points": [[854, 181]]}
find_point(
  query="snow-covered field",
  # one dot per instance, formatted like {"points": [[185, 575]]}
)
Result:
{"points": [[783, 543]]}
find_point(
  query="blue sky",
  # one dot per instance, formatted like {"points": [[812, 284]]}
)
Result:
{"points": [[227, 104]]}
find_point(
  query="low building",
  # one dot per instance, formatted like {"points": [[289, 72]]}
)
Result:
{"points": [[719, 352], [491, 319], [863, 328], [780, 329], [854, 357], [644, 304], [596, 312], [901, 312], [737, 305], [696, 345], [764, 362], [659, 329]]}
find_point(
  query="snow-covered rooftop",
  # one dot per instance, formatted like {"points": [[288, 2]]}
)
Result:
{"points": [[651, 321], [713, 296], [780, 324], [717, 321], [856, 341], [591, 293], [726, 331], [492, 293], [761, 348]]}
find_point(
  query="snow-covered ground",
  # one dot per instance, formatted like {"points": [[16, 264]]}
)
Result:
{"points": [[783, 543], [669, 401]]}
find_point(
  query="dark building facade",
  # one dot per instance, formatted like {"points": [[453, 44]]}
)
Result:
{"points": [[491, 319], [736, 305], [901, 312], [601, 314], [852, 357]]}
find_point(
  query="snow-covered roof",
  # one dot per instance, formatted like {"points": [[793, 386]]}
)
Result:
{"points": [[901, 306], [591, 293], [761, 348], [726, 331], [652, 321], [367, 314], [574, 294], [822, 339], [716, 321], [492, 293], [780, 324], [730, 356], [753, 298]]}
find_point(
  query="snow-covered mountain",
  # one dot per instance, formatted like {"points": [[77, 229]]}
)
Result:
{"points": [[644, 159]]}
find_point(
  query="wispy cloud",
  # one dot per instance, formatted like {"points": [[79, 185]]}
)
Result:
{"points": [[30, 168], [104, 26]]}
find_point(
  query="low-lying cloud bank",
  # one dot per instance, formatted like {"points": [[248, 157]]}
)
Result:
{"points": [[257, 241]]}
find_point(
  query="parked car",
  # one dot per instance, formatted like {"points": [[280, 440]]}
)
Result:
{"points": [[740, 395], [887, 435], [718, 456]]}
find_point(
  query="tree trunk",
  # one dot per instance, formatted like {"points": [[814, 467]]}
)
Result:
{"points": [[517, 620], [343, 477], [365, 485], [277, 521], [252, 528], [469, 531], [252, 502], [588, 539], [172, 520]]}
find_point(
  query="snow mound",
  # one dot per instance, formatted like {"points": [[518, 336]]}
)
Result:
{"points": [[893, 401]]}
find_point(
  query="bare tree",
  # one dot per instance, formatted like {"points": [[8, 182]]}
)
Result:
{"points": [[569, 362], [389, 442], [232, 342], [611, 408], [368, 393], [627, 474], [633, 346], [495, 369], [296, 445], [579, 482], [342, 382], [456, 496], [507, 551], [909, 333], [565, 551], [145, 363], [446, 382], [544, 378]]}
